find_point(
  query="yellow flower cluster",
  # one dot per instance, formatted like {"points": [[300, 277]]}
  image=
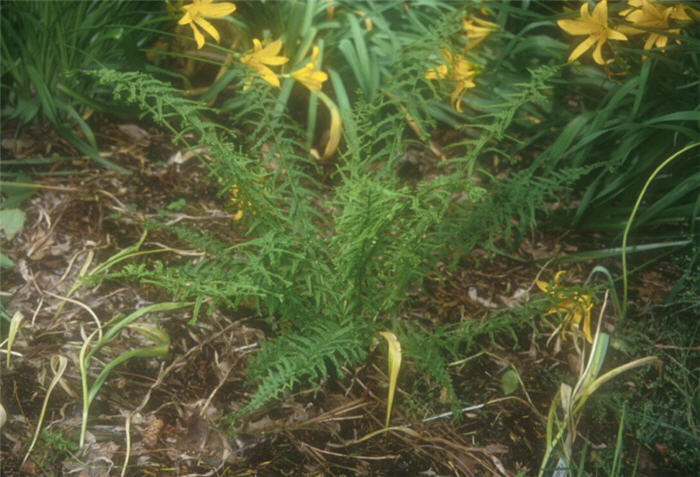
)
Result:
{"points": [[457, 67], [261, 57], [645, 16], [575, 307], [309, 75]]}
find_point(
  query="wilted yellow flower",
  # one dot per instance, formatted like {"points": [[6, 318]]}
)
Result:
{"points": [[394, 359], [575, 307], [309, 75], [457, 69], [477, 30], [198, 10], [336, 126], [597, 29], [651, 15], [260, 57]]}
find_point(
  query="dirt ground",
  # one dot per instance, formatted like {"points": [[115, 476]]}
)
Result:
{"points": [[164, 413]]}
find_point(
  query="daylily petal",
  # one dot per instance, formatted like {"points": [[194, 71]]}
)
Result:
{"points": [[274, 60], [208, 27], [456, 100], [616, 35], [186, 18], [198, 37], [271, 49], [315, 51], [649, 43], [583, 47], [316, 79], [477, 30], [600, 12], [587, 323], [598, 51], [576, 314], [577, 27], [218, 10], [268, 75], [267, 55], [582, 312], [662, 41], [439, 72], [628, 30], [459, 92], [334, 131], [585, 14]]}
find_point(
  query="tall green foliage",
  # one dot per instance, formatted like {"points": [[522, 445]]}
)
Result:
{"points": [[43, 42]]}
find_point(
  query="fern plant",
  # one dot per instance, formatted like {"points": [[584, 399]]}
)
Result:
{"points": [[332, 259]]}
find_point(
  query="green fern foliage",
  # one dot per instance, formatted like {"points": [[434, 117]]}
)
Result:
{"points": [[432, 350], [329, 263], [307, 354]]}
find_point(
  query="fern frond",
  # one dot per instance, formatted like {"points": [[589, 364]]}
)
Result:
{"points": [[310, 354]]}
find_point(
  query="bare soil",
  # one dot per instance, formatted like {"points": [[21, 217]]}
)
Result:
{"points": [[174, 405]]}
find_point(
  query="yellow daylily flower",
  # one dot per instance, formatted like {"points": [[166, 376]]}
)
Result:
{"points": [[596, 27], [261, 57], [198, 10], [477, 30], [309, 75], [458, 69], [439, 72], [649, 14], [679, 13], [575, 307], [464, 75]]}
